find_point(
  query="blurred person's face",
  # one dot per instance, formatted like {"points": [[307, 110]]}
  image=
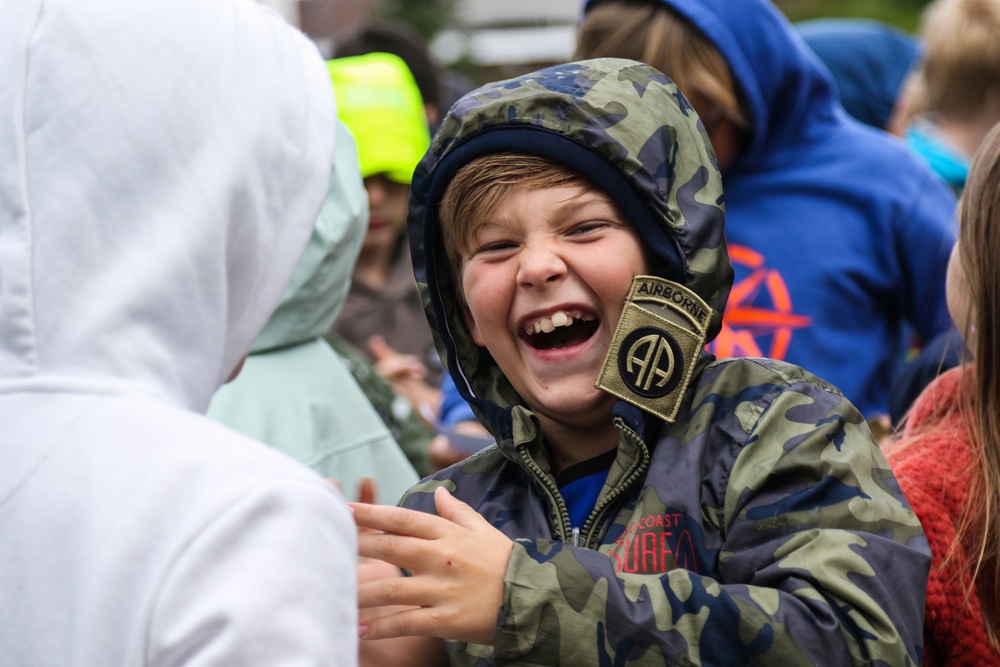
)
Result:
{"points": [[957, 294], [387, 206], [725, 135]]}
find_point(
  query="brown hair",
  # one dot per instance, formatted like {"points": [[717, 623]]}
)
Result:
{"points": [[481, 185], [959, 74], [979, 239], [654, 34]]}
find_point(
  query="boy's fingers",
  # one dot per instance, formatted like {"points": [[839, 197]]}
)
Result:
{"points": [[384, 547], [398, 520], [413, 553], [451, 508]]}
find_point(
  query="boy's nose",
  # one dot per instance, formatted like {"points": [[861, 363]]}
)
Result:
{"points": [[540, 266]]}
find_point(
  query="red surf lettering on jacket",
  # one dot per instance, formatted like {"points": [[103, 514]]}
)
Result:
{"points": [[654, 544]]}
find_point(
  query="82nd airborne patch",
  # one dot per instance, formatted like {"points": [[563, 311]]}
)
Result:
{"points": [[661, 332]]}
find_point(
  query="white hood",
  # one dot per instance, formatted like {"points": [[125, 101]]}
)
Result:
{"points": [[115, 271]]}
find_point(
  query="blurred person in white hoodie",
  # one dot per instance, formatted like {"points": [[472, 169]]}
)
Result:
{"points": [[164, 162]]}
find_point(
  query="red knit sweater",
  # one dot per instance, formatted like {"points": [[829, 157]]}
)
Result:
{"points": [[934, 473]]}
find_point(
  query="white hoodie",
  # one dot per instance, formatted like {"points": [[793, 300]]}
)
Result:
{"points": [[150, 150]]}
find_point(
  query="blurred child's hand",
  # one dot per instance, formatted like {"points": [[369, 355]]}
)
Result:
{"points": [[394, 652], [394, 365], [457, 442], [442, 454], [449, 556], [369, 569], [408, 377]]}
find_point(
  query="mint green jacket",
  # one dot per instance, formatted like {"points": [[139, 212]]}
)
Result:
{"points": [[294, 392]]}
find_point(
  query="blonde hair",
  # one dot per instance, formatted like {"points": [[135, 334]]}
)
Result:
{"points": [[481, 185], [654, 34], [959, 74]]}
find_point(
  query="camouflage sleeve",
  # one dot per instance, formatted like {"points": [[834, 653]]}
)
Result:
{"points": [[822, 562]]}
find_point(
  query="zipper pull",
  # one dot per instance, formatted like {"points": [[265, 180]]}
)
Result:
{"points": [[576, 537]]}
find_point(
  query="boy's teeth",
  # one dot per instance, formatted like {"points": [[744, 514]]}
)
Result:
{"points": [[560, 318]]}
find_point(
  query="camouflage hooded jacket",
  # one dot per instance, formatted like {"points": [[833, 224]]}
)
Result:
{"points": [[748, 517]]}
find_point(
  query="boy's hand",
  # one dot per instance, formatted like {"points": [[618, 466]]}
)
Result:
{"points": [[458, 561]]}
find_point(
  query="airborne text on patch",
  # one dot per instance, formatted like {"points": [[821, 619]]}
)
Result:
{"points": [[693, 308]]}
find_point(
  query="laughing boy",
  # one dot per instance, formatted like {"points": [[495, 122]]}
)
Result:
{"points": [[644, 503]]}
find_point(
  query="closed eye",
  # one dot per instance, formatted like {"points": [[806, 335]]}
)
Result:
{"points": [[494, 247], [585, 228]]}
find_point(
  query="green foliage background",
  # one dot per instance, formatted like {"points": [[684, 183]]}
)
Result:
{"points": [[428, 17], [904, 13]]}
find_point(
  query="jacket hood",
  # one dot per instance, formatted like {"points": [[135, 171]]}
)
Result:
{"points": [[322, 279], [785, 90], [164, 164], [627, 128]]}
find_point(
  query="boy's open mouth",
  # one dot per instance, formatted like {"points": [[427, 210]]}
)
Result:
{"points": [[560, 330]]}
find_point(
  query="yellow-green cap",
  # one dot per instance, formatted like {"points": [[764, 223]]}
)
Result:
{"points": [[379, 101]]}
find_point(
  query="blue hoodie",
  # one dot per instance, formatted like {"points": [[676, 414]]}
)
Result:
{"points": [[838, 235]]}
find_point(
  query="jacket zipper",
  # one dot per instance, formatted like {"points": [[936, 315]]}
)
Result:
{"points": [[596, 517], [567, 533], [563, 526]]}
